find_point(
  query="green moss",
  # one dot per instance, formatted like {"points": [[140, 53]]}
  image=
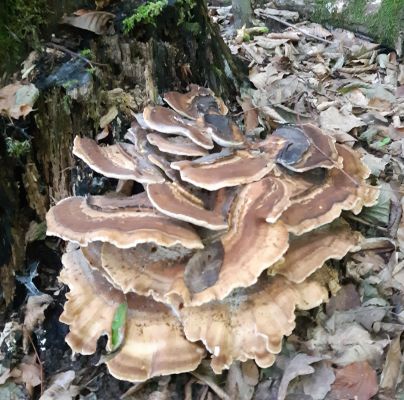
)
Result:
{"points": [[17, 149], [383, 25], [87, 53], [20, 22], [145, 14]]}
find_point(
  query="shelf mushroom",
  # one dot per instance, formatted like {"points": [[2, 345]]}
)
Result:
{"points": [[220, 249]]}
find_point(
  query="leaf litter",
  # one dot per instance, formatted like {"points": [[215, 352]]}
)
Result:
{"points": [[352, 348]]}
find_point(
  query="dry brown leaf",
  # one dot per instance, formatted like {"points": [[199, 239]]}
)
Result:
{"points": [[30, 373], [108, 117], [316, 30], [355, 381], [17, 100], [349, 342], [333, 119], [237, 386], [250, 113], [298, 365], [400, 232], [346, 299], [61, 387], [250, 372], [318, 384], [34, 314], [99, 22], [290, 35], [268, 43]]}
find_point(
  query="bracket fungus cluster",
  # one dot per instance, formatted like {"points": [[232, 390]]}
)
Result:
{"points": [[187, 255]]}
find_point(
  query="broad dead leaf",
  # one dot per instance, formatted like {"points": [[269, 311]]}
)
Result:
{"points": [[357, 381]]}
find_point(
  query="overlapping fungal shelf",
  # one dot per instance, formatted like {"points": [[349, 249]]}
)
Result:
{"points": [[216, 254]]}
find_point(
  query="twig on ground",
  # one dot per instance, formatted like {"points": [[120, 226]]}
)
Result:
{"points": [[74, 54]]}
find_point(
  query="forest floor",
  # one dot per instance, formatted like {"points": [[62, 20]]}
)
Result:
{"points": [[352, 347]]}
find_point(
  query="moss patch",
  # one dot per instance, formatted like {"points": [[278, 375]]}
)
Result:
{"points": [[147, 13], [383, 25], [20, 22]]}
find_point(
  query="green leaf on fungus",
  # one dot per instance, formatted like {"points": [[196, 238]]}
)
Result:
{"points": [[118, 325]]}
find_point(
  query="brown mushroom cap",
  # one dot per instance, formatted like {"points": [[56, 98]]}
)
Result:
{"points": [[223, 130], [275, 199], [250, 246], [309, 148], [154, 343], [224, 170], [75, 220], [175, 201], [165, 120], [176, 145], [310, 251], [251, 322], [138, 136], [343, 190], [196, 102], [119, 161], [323, 152], [147, 270], [165, 165]]}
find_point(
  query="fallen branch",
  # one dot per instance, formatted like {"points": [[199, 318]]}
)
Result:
{"points": [[281, 21]]}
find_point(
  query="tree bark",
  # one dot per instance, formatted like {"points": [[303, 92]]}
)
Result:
{"points": [[242, 12], [144, 63]]}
